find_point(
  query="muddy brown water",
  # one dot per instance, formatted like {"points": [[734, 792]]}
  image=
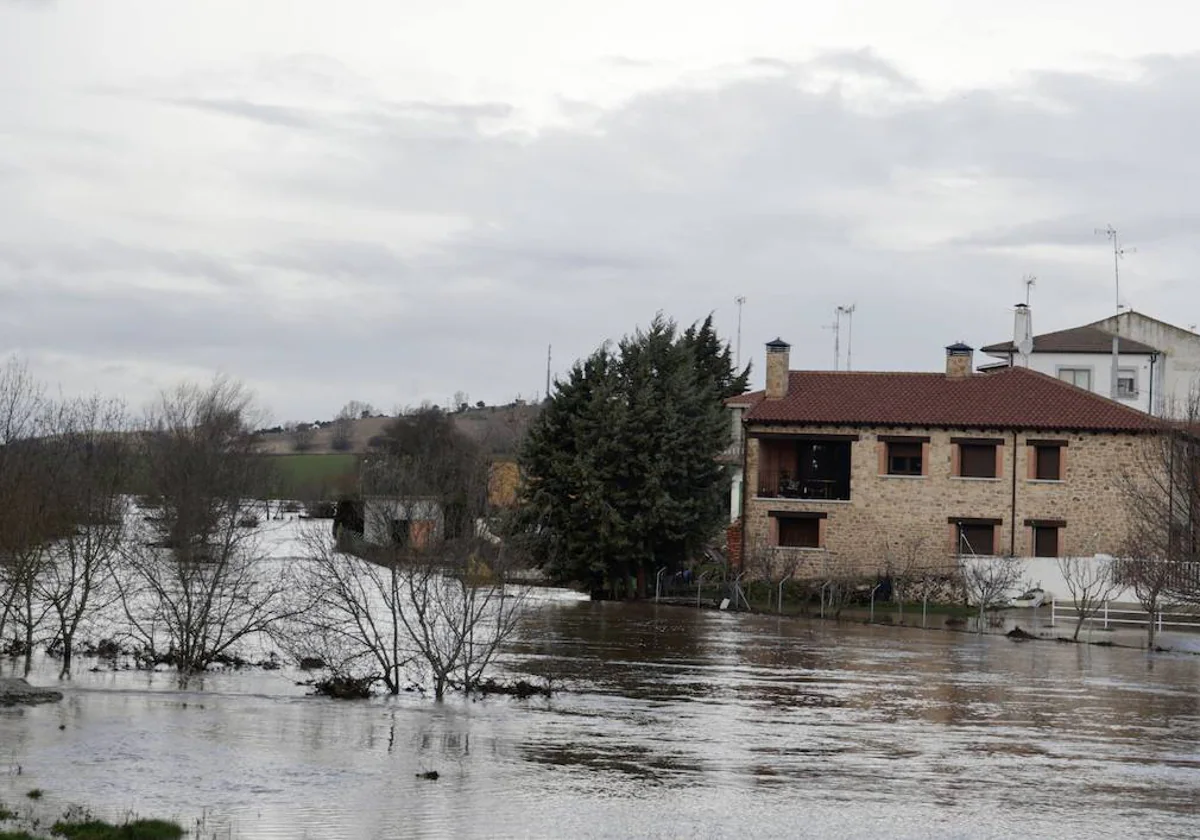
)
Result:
{"points": [[670, 722]]}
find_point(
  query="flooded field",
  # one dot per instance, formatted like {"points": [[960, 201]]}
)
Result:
{"points": [[668, 722]]}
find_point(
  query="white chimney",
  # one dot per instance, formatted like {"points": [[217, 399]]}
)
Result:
{"points": [[1022, 333]]}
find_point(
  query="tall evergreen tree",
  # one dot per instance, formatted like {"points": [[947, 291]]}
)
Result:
{"points": [[622, 476]]}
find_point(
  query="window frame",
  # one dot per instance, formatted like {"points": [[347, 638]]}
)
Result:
{"points": [[1075, 371], [974, 445], [1052, 532], [815, 518], [1039, 452], [891, 458], [1043, 526], [961, 542], [1133, 392]]}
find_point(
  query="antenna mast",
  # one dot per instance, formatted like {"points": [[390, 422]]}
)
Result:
{"points": [[836, 326], [1030, 282], [1118, 253], [848, 311], [549, 348], [740, 300]]}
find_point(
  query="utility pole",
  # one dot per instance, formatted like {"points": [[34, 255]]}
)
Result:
{"points": [[1118, 253], [740, 300], [848, 311]]}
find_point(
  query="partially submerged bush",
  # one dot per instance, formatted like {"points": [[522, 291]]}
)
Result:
{"points": [[136, 830], [341, 687]]}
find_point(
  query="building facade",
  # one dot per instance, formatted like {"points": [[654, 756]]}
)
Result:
{"points": [[1178, 357], [867, 470], [1158, 365]]}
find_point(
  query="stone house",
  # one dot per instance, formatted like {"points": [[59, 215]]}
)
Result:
{"points": [[856, 469]]}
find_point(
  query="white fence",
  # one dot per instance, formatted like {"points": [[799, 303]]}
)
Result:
{"points": [[1111, 614]]}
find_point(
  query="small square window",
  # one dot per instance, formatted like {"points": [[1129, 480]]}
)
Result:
{"points": [[975, 538], [977, 460], [1045, 541], [904, 458], [1127, 384], [799, 532], [1049, 463]]}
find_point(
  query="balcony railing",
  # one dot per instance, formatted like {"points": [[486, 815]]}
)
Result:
{"points": [[781, 485], [732, 454]]}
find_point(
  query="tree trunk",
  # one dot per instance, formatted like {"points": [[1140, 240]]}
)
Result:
{"points": [[68, 649], [28, 634]]}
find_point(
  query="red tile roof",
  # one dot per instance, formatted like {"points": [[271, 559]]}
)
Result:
{"points": [[1011, 398]]}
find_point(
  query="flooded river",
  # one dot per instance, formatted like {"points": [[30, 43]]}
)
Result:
{"points": [[670, 722]]}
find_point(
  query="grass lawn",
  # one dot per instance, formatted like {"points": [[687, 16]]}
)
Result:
{"points": [[314, 476]]}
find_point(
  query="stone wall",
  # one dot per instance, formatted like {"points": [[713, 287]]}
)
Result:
{"points": [[899, 518]]}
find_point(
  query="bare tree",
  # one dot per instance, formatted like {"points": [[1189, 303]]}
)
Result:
{"points": [[343, 425], [193, 579], [302, 435], [1091, 582], [1162, 492], [21, 403], [76, 581], [29, 518], [431, 588], [989, 581], [354, 624], [904, 564]]}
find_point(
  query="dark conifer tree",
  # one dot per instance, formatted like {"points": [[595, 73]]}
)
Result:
{"points": [[622, 476]]}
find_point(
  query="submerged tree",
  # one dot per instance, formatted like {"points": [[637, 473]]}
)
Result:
{"points": [[29, 518], [193, 580], [989, 581], [94, 465], [1091, 583], [621, 465], [427, 589], [1162, 492]]}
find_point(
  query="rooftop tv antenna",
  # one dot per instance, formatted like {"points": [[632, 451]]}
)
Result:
{"points": [[836, 326], [1119, 253], [1030, 281], [848, 311], [740, 300]]}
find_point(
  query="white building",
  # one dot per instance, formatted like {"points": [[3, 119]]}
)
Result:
{"points": [[1158, 364], [1178, 365]]}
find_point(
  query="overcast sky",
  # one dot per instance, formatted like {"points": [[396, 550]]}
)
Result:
{"points": [[394, 201]]}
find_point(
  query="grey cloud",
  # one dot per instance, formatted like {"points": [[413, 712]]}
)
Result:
{"points": [[255, 111], [924, 212], [335, 258], [100, 256]]}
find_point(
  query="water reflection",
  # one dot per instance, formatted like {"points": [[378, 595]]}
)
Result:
{"points": [[673, 723]]}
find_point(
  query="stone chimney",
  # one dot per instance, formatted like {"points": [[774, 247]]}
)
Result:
{"points": [[960, 361], [777, 368], [1022, 334]]}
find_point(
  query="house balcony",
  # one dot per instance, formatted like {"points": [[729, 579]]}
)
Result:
{"points": [[782, 484]]}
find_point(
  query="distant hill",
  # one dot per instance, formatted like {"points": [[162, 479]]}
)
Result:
{"points": [[498, 429]]}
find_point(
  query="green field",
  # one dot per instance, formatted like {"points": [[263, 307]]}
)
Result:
{"points": [[309, 477]]}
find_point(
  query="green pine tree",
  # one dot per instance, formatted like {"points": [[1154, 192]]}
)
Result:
{"points": [[622, 476]]}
